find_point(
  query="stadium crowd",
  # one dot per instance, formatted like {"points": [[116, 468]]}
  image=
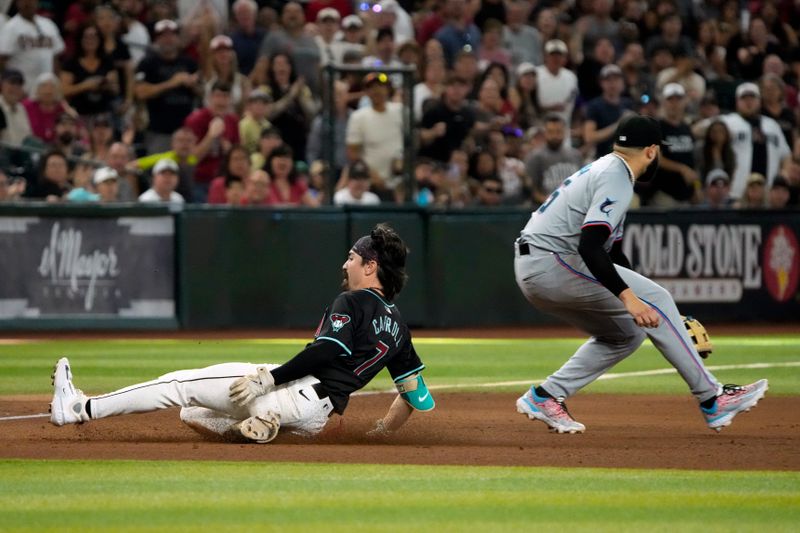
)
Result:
{"points": [[221, 101]]}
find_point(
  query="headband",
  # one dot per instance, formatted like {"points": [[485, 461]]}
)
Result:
{"points": [[364, 247]]}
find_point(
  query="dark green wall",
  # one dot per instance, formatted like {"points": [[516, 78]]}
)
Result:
{"points": [[258, 267]]}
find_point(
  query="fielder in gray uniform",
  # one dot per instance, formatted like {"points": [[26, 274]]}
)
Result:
{"points": [[569, 263]]}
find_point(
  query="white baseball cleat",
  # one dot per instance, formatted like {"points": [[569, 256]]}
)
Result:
{"points": [[551, 411], [261, 428], [69, 404]]}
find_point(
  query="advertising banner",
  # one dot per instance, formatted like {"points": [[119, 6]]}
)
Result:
{"points": [[721, 265], [87, 268]]}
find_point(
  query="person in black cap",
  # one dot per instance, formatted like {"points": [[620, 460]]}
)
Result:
{"points": [[569, 263], [604, 113]]}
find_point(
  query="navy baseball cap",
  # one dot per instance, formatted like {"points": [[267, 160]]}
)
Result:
{"points": [[638, 131]]}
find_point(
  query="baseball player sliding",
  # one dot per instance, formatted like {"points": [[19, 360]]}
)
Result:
{"points": [[360, 333], [569, 263]]}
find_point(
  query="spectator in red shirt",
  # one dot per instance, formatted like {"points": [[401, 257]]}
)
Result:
{"points": [[315, 6], [430, 23], [237, 165], [287, 188], [344, 7], [218, 130], [46, 106]]}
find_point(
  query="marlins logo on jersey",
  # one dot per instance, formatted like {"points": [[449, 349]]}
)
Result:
{"points": [[605, 207], [338, 321]]}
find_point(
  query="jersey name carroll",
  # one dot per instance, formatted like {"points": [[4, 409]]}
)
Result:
{"points": [[385, 324], [372, 336]]}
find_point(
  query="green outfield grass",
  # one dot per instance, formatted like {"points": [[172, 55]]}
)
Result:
{"points": [[205, 496], [104, 365]]}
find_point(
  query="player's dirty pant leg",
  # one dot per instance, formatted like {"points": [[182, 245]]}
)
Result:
{"points": [[203, 387], [208, 422], [671, 337]]}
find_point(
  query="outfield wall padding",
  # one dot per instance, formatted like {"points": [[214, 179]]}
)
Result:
{"points": [[262, 268]]}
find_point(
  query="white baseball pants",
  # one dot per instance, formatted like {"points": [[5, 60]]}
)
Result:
{"points": [[203, 393]]}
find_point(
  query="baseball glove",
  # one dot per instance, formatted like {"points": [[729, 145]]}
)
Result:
{"points": [[699, 335], [262, 428]]}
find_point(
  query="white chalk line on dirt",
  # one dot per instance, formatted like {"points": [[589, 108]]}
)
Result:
{"points": [[619, 375], [23, 417], [639, 373]]}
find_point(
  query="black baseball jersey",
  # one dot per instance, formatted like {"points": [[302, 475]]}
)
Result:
{"points": [[372, 335]]}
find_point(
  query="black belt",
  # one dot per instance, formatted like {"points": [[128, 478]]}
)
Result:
{"points": [[320, 390], [524, 248]]}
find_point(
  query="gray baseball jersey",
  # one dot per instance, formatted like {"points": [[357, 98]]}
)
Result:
{"points": [[553, 277], [597, 194]]}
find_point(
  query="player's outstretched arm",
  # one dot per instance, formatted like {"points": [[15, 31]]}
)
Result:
{"points": [[414, 396], [397, 415]]}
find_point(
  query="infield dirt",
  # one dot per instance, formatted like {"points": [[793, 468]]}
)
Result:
{"points": [[633, 431]]}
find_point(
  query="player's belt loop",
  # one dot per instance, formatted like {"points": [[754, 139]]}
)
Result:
{"points": [[524, 248]]}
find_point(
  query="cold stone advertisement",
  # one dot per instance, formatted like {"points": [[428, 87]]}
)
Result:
{"points": [[87, 267], [725, 269]]}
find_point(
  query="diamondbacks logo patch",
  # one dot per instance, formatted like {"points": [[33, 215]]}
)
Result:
{"points": [[338, 321]]}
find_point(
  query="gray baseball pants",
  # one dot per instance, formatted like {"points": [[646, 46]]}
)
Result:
{"points": [[561, 285]]}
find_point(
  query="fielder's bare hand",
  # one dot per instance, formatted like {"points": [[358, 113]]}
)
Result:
{"points": [[644, 315]]}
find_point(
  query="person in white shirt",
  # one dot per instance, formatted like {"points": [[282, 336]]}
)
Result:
{"points": [[757, 140], [165, 181], [351, 38], [15, 124], [375, 132], [327, 24], [136, 35], [558, 86], [355, 186], [431, 87], [30, 43], [391, 15]]}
